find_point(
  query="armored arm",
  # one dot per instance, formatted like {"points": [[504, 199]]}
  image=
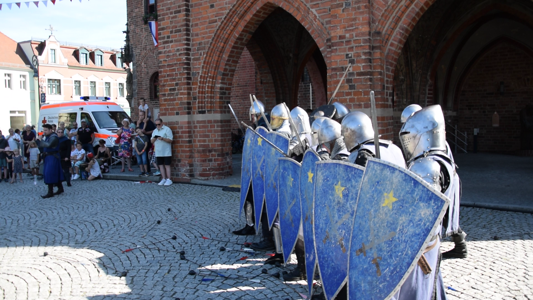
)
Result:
{"points": [[362, 157]]}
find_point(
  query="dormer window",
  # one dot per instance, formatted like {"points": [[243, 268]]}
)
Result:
{"points": [[83, 56], [99, 60], [97, 56]]}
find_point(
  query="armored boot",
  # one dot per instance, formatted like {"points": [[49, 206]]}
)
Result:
{"points": [[249, 228], [50, 192], [60, 189], [459, 251], [278, 257], [299, 272]]}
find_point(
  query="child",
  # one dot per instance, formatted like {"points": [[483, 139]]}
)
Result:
{"points": [[144, 107], [16, 163], [77, 157], [140, 143], [9, 160], [34, 160], [93, 168]]}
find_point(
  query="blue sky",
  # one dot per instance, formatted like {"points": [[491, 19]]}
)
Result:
{"points": [[89, 22]]}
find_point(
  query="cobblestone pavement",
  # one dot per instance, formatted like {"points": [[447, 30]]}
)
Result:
{"points": [[85, 231]]}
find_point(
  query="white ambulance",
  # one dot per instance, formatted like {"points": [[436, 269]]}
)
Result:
{"points": [[104, 117]]}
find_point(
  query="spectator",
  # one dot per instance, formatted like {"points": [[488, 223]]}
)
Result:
{"points": [[64, 154], [124, 150], [86, 136], [140, 145], [27, 138], [9, 159], [13, 139], [62, 125], [144, 108], [147, 127], [54, 127], [162, 140], [76, 158], [72, 133], [103, 156], [33, 159], [3, 162], [33, 130], [93, 168], [16, 164]]}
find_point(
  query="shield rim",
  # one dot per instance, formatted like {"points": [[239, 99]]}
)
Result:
{"points": [[428, 238], [258, 216], [287, 257], [286, 150], [242, 203], [355, 210], [309, 280]]}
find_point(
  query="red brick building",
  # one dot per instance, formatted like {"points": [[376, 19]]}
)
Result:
{"points": [[473, 57]]}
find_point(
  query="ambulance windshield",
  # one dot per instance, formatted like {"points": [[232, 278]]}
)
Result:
{"points": [[109, 119]]}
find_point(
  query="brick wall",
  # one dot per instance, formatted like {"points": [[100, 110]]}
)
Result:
{"points": [[480, 97], [203, 50]]}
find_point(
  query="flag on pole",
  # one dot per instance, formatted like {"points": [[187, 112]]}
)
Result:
{"points": [[153, 30]]}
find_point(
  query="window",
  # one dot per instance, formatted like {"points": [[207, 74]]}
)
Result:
{"points": [[77, 88], [150, 6], [119, 61], [54, 87], [107, 90], [121, 90], [89, 120], [52, 56], [99, 60], [84, 58], [92, 89], [7, 81], [109, 119], [22, 82], [68, 118]]}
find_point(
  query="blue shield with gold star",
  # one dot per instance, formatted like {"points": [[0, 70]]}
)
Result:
{"points": [[272, 173], [397, 215], [246, 166], [258, 173], [290, 213], [336, 190], [307, 192]]}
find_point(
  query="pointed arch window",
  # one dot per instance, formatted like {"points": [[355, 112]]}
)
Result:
{"points": [[154, 86]]}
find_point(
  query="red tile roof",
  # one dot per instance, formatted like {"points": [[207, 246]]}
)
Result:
{"points": [[10, 52]]}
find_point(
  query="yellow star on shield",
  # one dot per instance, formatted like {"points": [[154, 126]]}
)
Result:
{"points": [[290, 181], [310, 177], [339, 189], [249, 141], [259, 140], [389, 199]]}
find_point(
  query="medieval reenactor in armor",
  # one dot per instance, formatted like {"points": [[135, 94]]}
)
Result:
{"points": [[53, 173], [330, 140], [272, 238], [423, 139], [256, 117], [458, 235], [358, 136]]}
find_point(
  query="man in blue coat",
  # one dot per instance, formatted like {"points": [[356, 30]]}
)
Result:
{"points": [[53, 173]]}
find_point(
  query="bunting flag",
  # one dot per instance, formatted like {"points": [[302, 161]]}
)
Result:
{"points": [[153, 30], [44, 2]]}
